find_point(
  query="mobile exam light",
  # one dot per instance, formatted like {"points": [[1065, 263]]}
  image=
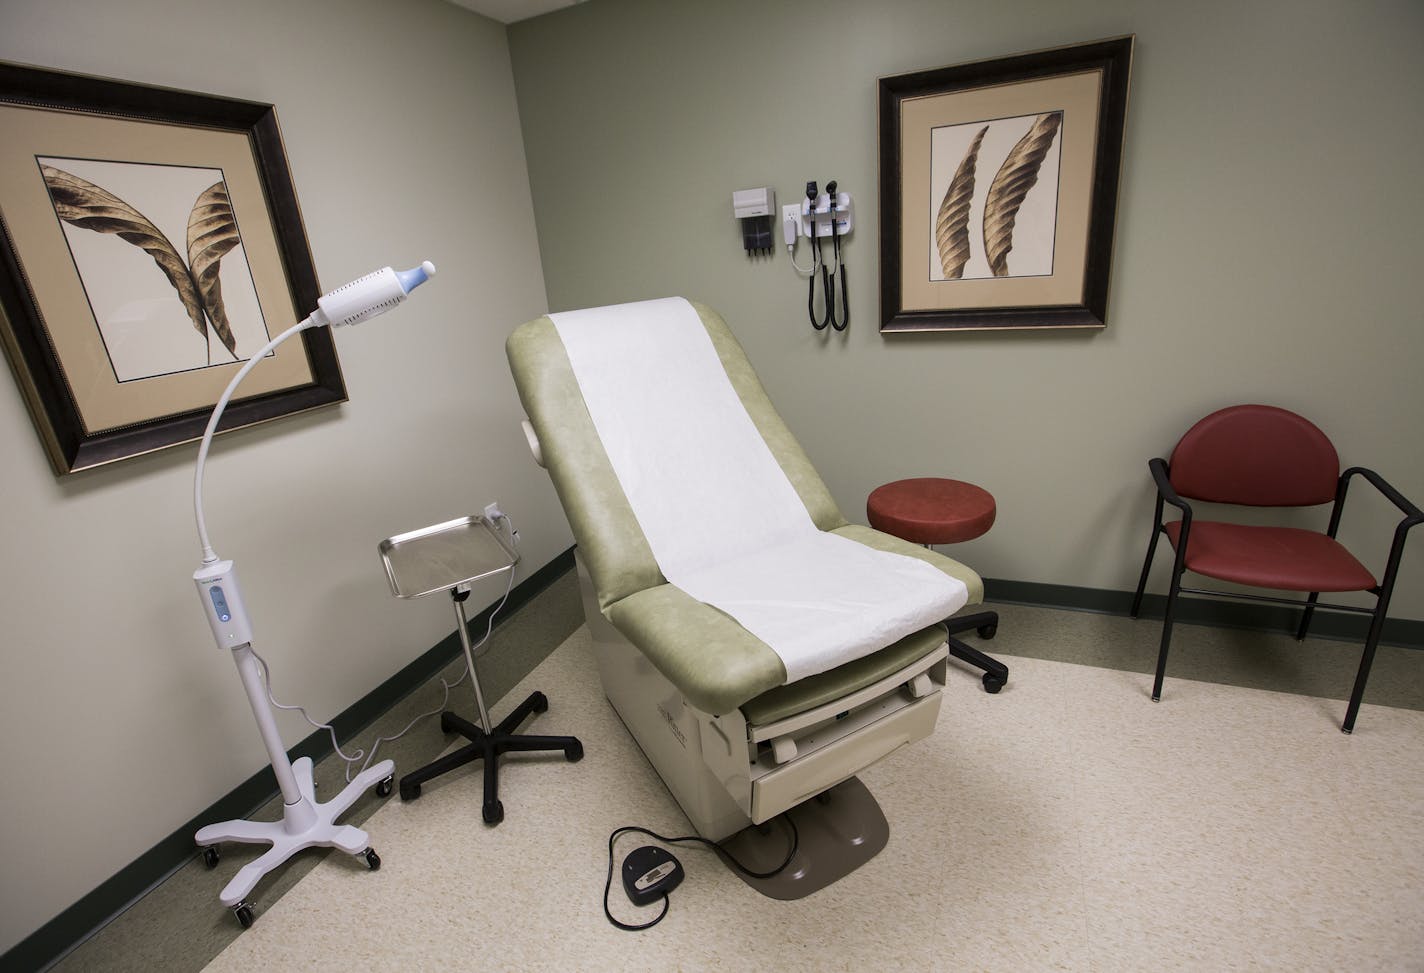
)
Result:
{"points": [[306, 823]]}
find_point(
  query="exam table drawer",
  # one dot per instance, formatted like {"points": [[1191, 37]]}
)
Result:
{"points": [[791, 784]]}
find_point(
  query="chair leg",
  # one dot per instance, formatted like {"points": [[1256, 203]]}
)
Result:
{"points": [[1167, 631], [1306, 616], [1146, 569], [1367, 659]]}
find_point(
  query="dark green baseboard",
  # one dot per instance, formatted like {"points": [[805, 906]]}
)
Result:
{"points": [[55, 938], [1349, 627]]}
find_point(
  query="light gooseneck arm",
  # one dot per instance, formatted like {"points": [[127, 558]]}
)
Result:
{"points": [[358, 301], [209, 555]]}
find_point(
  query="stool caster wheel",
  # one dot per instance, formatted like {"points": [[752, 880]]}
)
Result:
{"points": [[409, 792], [987, 631], [445, 726], [573, 752], [493, 812], [384, 788], [245, 917], [211, 856], [539, 703], [372, 860], [993, 683]]}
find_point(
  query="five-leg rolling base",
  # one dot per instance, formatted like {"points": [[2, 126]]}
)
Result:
{"points": [[305, 824], [986, 623], [488, 747]]}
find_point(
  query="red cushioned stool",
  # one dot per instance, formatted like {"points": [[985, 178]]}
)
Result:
{"points": [[931, 510]]}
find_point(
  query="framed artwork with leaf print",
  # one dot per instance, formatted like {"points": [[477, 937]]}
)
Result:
{"points": [[152, 243], [998, 190]]}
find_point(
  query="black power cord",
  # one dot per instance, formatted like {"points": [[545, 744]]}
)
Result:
{"points": [[816, 258], [687, 839], [828, 275], [840, 270]]}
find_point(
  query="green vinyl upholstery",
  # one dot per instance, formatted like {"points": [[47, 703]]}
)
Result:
{"points": [[718, 665]]}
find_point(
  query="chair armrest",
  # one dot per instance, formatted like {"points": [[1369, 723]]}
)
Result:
{"points": [[1412, 514], [1165, 490], [1412, 517]]}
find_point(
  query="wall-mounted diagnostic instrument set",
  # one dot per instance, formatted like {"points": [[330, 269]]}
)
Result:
{"points": [[817, 216]]}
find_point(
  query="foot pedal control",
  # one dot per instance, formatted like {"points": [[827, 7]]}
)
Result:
{"points": [[649, 873]]}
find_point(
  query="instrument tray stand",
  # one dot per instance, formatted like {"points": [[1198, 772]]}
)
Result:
{"points": [[450, 556]]}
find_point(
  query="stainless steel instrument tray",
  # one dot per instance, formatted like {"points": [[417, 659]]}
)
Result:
{"points": [[444, 556]]}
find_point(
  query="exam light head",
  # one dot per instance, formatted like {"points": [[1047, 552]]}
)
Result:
{"points": [[368, 296]]}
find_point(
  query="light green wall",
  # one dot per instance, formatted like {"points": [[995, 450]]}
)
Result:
{"points": [[119, 719], [1268, 243], [1268, 248]]}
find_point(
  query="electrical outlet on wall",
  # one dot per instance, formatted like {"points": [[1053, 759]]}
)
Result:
{"points": [[791, 213]]}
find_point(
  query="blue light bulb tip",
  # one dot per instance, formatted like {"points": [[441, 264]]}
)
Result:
{"points": [[413, 278]]}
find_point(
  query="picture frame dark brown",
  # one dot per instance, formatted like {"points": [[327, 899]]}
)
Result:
{"points": [[44, 311], [1057, 120]]}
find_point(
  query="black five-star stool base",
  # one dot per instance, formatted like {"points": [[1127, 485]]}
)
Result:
{"points": [[488, 747]]}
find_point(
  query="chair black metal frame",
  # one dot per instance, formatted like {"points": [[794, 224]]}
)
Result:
{"points": [[1166, 494]]}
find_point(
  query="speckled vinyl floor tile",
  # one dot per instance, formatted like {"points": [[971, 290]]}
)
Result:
{"points": [[1067, 823]]}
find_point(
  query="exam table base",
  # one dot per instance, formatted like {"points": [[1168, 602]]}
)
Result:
{"points": [[837, 831], [488, 747]]}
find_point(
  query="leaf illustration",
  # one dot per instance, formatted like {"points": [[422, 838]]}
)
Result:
{"points": [[952, 223], [86, 205], [212, 232], [1016, 177]]}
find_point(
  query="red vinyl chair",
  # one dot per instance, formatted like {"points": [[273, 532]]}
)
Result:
{"points": [[1262, 456]]}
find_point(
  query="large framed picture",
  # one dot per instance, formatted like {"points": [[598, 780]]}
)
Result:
{"points": [[998, 190], [152, 243]]}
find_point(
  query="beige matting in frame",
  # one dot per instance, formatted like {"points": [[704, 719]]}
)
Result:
{"points": [[71, 269], [152, 244], [998, 190]]}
